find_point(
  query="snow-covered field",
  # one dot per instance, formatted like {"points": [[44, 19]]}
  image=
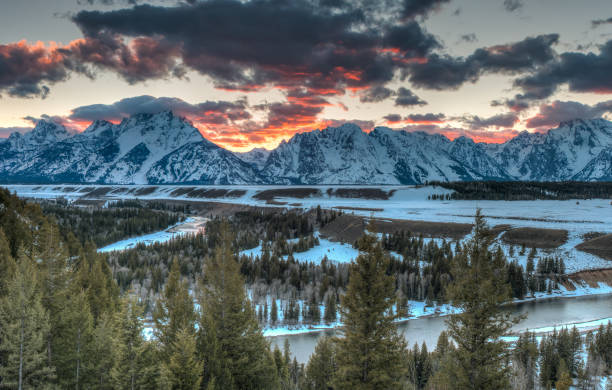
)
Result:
{"points": [[188, 226], [407, 202], [335, 251]]}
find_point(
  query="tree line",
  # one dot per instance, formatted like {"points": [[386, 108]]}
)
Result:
{"points": [[103, 226], [522, 190], [288, 292]]}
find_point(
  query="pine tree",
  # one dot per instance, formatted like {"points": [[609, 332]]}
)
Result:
{"points": [[478, 289], [370, 352], [525, 356], [183, 366], [56, 275], [72, 345], [127, 372], [274, 313], [565, 380], [442, 361], [322, 367], [103, 350], [282, 369], [174, 310], [24, 326], [233, 348], [96, 279], [330, 314], [7, 264]]}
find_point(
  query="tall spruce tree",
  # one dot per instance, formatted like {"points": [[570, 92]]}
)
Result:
{"points": [[183, 368], [72, 356], [127, 372], [478, 289], [7, 264], [103, 349], [321, 368], [236, 355], [56, 275], [370, 353], [24, 326], [174, 310], [96, 279]]}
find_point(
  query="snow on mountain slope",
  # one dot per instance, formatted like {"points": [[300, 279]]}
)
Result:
{"points": [[342, 155], [559, 154], [511, 154], [203, 163], [162, 148], [347, 155], [107, 153], [599, 168], [143, 140], [255, 156]]}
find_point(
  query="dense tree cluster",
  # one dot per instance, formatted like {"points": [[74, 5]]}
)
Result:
{"points": [[63, 323], [523, 190], [288, 292], [103, 226]]}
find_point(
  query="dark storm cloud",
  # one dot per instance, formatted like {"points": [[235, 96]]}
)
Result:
{"points": [[288, 115], [128, 2], [581, 72], [515, 105], [143, 59], [26, 70], [233, 42], [410, 39], [442, 72], [429, 118], [469, 38], [302, 41], [214, 112], [414, 8], [499, 121], [513, 5], [407, 98], [376, 94], [599, 22], [393, 118], [550, 115]]}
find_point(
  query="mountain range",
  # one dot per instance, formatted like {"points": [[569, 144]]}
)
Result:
{"points": [[163, 148]]}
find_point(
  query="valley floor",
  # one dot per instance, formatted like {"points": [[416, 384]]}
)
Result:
{"points": [[403, 203]]}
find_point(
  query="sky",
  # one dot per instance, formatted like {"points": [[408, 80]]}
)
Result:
{"points": [[251, 73]]}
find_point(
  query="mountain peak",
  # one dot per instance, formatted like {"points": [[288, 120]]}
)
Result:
{"points": [[47, 132], [97, 127], [345, 128]]}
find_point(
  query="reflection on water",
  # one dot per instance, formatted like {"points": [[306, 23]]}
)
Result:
{"points": [[539, 314]]}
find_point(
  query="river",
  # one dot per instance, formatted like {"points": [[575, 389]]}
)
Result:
{"points": [[540, 314]]}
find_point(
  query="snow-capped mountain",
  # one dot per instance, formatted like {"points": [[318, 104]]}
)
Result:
{"points": [[124, 153], [576, 150], [347, 155], [162, 148]]}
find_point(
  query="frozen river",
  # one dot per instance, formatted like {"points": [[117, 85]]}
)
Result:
{"points": [[540, 314]]}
